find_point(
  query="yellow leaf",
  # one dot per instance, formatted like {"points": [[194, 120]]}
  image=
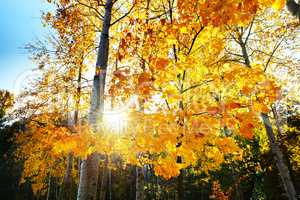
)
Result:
{"points": [[278, 4], [183, 29], [171, 40]]}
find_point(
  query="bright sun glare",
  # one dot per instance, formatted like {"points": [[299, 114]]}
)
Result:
{"points": [[116, 121]]}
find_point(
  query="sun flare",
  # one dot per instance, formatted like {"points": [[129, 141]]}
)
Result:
{"points": [[115, 121]]}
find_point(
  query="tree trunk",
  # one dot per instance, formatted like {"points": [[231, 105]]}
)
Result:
{"points": [[278, 157], [66, 193], [49, 188], [53, 189], [293, 7], [139, 183], [103, 189], [87, 189], [67, 182], [180, 191], [109, 184]]}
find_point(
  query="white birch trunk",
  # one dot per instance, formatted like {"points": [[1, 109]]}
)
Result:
{"points": [[87, 189]]}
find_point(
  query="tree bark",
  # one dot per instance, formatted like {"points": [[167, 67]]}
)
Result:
{"points": [[139, 183], [67, 182], [109, 184], [180, 190], [49, 188], [66, 193], [87, 189], [293, 7], [278, 157], [53, 188], [104, 180]]}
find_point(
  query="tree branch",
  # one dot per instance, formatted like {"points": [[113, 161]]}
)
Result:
{"points": [[195, 86], [125, 15], [273, 52], [194, 39]]}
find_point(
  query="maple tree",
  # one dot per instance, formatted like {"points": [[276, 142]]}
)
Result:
{"points": [[166, 76], [196, 97]]}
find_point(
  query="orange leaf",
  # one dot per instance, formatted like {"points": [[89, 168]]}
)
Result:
{"points": [[233, 105], [213, 110], [161, 63], [247, 130], [119, 74]]}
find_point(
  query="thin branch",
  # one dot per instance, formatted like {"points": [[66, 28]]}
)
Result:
{"points": [[167, 103], [125, 15], [158, 16], [194, 39], [195, 86], [273, 52], [197, 114], [92, 8], [249, 32]]}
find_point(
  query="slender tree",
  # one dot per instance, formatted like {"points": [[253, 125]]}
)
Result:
{"points": [[241, 37]]}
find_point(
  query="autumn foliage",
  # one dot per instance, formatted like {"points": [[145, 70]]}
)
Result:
{"points": [[188, 104]]}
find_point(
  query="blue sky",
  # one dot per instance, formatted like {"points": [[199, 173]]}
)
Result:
{"points": [[19, 24]]}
